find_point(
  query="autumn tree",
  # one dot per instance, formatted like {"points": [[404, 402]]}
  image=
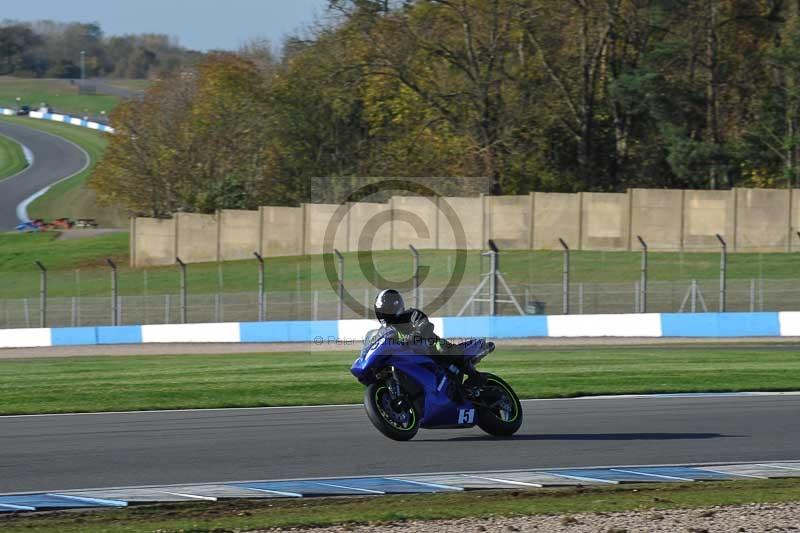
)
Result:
{"points": [[198, 142]]}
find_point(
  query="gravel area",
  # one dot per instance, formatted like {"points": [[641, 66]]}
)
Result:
{"points": [[749, 518]]}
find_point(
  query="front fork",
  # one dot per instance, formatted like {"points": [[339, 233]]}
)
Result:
{"points": [[394, 384]]}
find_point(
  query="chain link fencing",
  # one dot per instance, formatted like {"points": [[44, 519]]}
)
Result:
{"points": [[321, 304], [301, 289]]}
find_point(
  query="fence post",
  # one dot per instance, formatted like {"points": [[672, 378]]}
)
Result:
{"points": [[42, 295], [262, 304], [114, 289], [146, 298], [723, 272], [340, 288], [565, 278], [752, 295], [643, 283], [494, 266], [183, 289], [415, 275], [316, 305]]}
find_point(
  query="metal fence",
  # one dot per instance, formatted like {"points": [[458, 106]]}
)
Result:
{"points": [[584, 298], [564, 282]]}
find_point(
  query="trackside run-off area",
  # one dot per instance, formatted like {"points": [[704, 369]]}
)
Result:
{"points": [[316, 377]]}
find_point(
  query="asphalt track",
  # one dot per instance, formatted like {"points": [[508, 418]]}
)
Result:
{"points": [[56, 452], [53, 160]]}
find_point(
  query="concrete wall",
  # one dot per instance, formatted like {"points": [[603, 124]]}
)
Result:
{"points": [[152, 241], [656, 217], [425, 210], [281, 231], [197, 237], [508, 220], [748, 219], [762, 217], [556, 215], [324, 229], [605, 220], [461, 219], [370, 227], [706, 214], [240, 234]]}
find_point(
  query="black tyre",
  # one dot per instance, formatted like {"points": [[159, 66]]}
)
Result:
{"points": [[501, 412], [397, 419]]}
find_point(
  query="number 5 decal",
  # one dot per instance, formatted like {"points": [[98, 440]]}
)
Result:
{"points": [[466, 416]]}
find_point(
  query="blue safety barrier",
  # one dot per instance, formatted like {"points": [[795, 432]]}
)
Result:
{"points": [[503, 327], [720, 325], [119, 334], [73, 336], [495, 326], [288, 331], [66, 119]]}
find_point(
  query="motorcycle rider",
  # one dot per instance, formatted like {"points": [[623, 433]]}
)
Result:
{"points": [[413, 327]]}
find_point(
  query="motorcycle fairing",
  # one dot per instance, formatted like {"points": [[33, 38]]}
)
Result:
{"points": [[438, 409]]}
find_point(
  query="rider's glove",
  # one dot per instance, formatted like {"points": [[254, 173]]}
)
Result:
{"points": [[420, 325]]}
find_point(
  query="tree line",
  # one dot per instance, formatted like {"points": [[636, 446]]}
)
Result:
{"points": [[48, 49], [546, 95]]}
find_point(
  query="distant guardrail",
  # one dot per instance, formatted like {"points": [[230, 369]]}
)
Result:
{"points": [[66, 119], [708, 325]]}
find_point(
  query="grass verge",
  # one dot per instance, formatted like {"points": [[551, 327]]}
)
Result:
{"points": [[303, 273], [81, 384], [73, 198], [18, 251], [250, 515], [12, 158], [58, 94]]}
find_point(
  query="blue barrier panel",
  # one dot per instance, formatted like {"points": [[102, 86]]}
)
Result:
{"points": [[495, 326], [609, 475], [287, 331], [686, 472], [391, 486], [720, 325], [119, 335], [48, 501], [73, 336]]}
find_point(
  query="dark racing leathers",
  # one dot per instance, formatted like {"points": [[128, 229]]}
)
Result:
{"points": [[413, 327]]}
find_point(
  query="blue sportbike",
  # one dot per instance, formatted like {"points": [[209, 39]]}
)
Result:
{"points": [[408, 387]]}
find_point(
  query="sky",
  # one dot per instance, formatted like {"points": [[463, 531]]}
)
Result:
{"points": [[197, 24]]}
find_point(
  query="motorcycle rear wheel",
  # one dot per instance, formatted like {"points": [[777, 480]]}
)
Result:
{"points": [[397, 419], [503, 415]]}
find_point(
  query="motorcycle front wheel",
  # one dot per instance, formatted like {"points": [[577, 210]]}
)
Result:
{"points": [[396, 418], [499, 411]]}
